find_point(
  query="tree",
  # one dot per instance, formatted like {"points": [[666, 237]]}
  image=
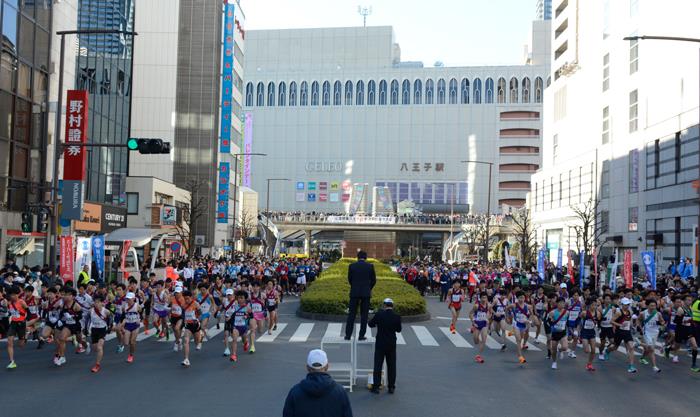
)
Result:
{"points": [[247, 225], [478, 233], [590, 226], [525, 235], [193, 209]]}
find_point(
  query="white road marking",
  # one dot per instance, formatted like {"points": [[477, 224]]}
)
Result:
{"points": [[302, 333], [424, 336], [333, 330], [271, 337], [456, 338]]}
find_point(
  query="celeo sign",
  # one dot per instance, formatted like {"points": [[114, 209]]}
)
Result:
{"points": [[74, 155], [324, 166]]}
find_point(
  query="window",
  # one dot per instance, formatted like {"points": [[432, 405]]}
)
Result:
{"points": [[406, 92], [634, 111], [489, 91], [634, 56], [465, 91], [633, 174], [282, 99], [132, 203], [633, 216], [604, 221], [501, 92], [476, 92], [314, 93], [417, 91], [429, 91], [605, 180], [538, 90], [249, 94], [293, 93], [677, 149], [606, 19], [606, 72], [606, 125], [360, 93], [271, 94], [526, 90], [371, 87], [348, 93], [304, 94], [382, 92], [513, 90], [555, 147], [453, 91], [441, 91], [394, 92], [336, 93], [261, 95], [9, 28]]}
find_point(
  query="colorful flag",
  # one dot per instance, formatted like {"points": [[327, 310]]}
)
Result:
{"points": [[98, 253], [570, 267], [581, 267], [540, 265], [628, 268], [83, 255], [67, 258], [650, 266], [125, 251], [560, 254]]}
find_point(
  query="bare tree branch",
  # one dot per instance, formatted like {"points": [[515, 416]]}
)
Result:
{"points": [[195, 208], [247, 225], [590, 225], [525, 235]]}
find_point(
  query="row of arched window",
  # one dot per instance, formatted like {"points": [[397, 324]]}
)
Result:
{"points": [[452, 92]]}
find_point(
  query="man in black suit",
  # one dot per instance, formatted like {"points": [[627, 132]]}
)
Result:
{"points": [[362, 279], [388, 324]]}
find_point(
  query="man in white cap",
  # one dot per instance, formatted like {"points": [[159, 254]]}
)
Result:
{"points": [[318, 395], [388, 323]]}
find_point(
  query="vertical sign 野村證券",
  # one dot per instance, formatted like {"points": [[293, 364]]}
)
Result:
{"points": [[74, 156], [222, 196], [247, 148], [227, 80]]}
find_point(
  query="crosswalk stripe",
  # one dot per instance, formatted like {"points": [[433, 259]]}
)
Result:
{"points": [[271, 337], [530, 346], [333, 330], [368, 334], [399, 339], [141, 336], [302, 333], [491, 343], [213, 332], [456, 338], [424, 336]]}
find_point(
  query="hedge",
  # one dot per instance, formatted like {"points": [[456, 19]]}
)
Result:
{"points": [[329, 293]]}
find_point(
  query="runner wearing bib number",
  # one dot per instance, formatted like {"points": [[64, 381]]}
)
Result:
{"points": [[607, 335], [160, 310], [271, 301], [242, 313], [684, 330], [589, 319], [176, 303], [132, 323], [17, 309], [70, 316], [455, 297], [622, 321], [227, 310], [557, 319], [204, 299], [521, 324], [500, 309], [99, 323], [650, 320], [540, 305], [190, 312], [480, 316]]}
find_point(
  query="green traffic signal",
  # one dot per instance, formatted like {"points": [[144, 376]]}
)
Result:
{"points": [[132, 144]]}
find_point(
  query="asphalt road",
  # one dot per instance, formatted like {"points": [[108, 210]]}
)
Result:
{"points": [[436, 376]]}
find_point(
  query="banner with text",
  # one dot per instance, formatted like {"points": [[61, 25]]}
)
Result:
{"points": [[247, 148], [628, 268], [83, 255], [67, 258], [98, 254], [227, 80], [222, 197], [125, 251], [74, 156]]}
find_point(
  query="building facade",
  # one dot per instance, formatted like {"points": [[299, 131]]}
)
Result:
{"points": [[621, 129], [543, 10], [335, 107]]}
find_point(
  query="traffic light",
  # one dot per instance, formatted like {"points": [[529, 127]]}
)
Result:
{"points": [[43, 223], [148, 146], [27, 222]]}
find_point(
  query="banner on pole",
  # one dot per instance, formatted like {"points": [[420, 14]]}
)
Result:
{"points": [[560, 254], [125, 251], [570, 266], [98, 253], [67, 258], [581, 268], [540, 265], [628, 268], [650, 266], [83, 255]]}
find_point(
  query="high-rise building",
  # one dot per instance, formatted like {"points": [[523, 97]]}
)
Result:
{"points": [[188, 90], [620, 130], [543, 10], [24, 102]]}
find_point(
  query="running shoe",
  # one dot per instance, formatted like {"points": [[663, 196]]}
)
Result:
{"points": [[12, 365], [521, 359], [234, 358], [199, 346], [631, 369], [175, 347], [479, 359], [227, 352], [452, 328], [252, 349], [80, 349], [274, 328], [61, 361], [589, 367], [120, 348], [656, 369], [601, 357], [245, 346], [554, 365], [503, 348], [55, 360], [130, 358], [644, 361], [88, 349], [572, 354], [695, 369], [186, 363], [161, 335], [510, 333], [675, 359], [95, 369]]}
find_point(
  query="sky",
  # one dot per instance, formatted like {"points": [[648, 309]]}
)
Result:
{"points": [[455, 32]]}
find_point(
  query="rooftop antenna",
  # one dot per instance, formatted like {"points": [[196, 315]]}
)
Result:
{"points": [[364, 12]]}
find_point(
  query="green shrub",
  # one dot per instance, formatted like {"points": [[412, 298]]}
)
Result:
{"points": [[329, 294]]}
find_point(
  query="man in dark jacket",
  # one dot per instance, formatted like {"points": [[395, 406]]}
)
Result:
{"points": [[388, 324], [318, 395], [362, 278]]}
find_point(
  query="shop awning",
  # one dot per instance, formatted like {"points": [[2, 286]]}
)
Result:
{"points": [[138, 237]]}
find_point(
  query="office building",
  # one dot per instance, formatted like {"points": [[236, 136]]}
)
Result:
{"points": [[543, 10]]}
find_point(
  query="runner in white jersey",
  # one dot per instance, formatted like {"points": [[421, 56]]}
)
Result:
{"points": [[607, 335], [228, 307], [85, 301], [51, 310], [650, 320], [99, 320], [160, 309], [132, 323]]}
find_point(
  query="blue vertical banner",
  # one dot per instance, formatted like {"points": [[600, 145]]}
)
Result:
{"points": [[227, 80], [581, 267], [560, 255], [650, 266], [222, 195], [98, 255], [540, 265]]}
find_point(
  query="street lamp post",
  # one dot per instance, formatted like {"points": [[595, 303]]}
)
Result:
{"points": [[679, 39], [53, 242], [488, 206], [235, 191]]}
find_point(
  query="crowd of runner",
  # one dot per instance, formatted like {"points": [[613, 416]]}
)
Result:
{"points": [[594, 319], [241, 295]]}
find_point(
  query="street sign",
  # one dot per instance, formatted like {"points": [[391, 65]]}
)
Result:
{"points": [[175, 246]]}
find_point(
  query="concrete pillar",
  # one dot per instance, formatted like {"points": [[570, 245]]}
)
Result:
{"points": [[307, 242]]}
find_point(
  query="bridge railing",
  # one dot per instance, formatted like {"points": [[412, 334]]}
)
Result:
{"points": [[427, 219]]}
